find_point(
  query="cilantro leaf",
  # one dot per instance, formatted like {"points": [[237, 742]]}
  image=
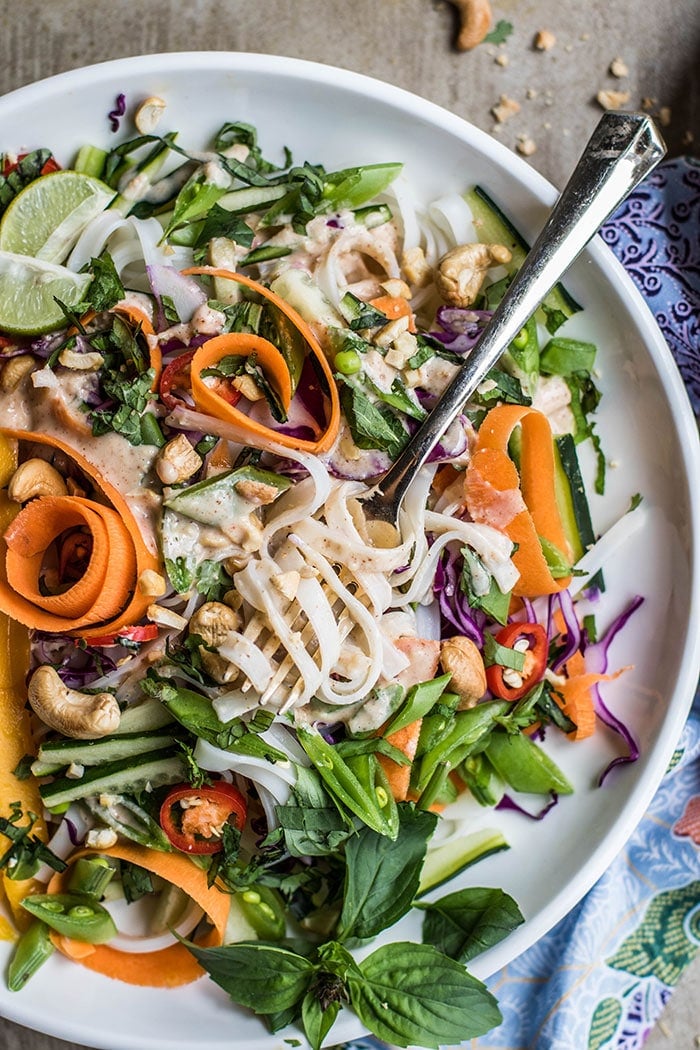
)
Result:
{"points": [[500, 32]]}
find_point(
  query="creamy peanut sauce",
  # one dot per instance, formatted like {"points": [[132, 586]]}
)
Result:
{"points": [[55, 411]]}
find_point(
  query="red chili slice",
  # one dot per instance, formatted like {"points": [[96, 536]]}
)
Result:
{"points": [[535, 660], [196, 827], [176, 376], [145, 632]]}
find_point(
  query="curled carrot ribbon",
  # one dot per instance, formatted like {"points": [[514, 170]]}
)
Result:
{"points": [[273, 363], [523, 504]]}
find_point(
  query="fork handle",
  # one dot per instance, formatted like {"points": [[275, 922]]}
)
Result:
{"points": [[623, 149]]}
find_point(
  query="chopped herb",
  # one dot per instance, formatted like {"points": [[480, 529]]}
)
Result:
{"points": [[106, 288], [194, 774], [372, 425], [26, 852], [136, 882], [500, 32]]}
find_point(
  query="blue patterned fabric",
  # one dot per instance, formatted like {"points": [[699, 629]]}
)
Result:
{"points": [[601, 977]]}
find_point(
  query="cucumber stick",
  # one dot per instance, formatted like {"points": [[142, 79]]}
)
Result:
{"points": [[444, 862], [493, 227], [108, 749], [126, 776]]}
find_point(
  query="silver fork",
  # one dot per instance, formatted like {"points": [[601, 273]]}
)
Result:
{"points": [[623, 149]]}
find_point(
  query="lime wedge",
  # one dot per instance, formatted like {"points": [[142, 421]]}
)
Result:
{"points": [[46, 218], [28, 292]]}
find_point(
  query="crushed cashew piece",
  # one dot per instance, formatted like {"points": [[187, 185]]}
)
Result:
{"points": [[544, 40], [526, 146], [505, 107], [665, 116], [502, 59], [619, 68], [612, 100]]}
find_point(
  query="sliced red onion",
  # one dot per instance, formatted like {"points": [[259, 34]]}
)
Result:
{"points": [[451, 445], [573, 629], [184, 292]]}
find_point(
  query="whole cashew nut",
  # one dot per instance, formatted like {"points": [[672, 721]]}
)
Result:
{"points": [[35, 477], [82, 716], [475, 22], [461, 271], [213, 622], [460, 657]]}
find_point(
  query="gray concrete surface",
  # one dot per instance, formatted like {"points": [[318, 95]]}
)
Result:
{"points": [[410, 43]]}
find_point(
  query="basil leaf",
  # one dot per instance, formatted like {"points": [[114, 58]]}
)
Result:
{"points": [[136, 882], [106, 287], [502, 655], [495, 603], [412, 994], [220, 222], [382, 877], [317, 1018], [467, 922], [264, 977], [372, 426]]}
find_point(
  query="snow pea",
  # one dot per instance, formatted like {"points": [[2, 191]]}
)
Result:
{"points": [[469, 728], [264, 910], [343, 784], [91, 875], [526, 767], [31, 952], [74, 915]]}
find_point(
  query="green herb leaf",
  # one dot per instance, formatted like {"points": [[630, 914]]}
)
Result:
{"points": [[311, 823], [372, 425], [465, 923], [26, 853], [266, 978], [502, 654], [500, 32], [136, 882], [413, 994], [494, 602], [106, 287], [383, 876]]}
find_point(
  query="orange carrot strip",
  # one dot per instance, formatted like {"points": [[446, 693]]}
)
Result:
{"points": [[398, 776], [395, 306], [170, 967], [222, 410], [492, 474], [68, 946], [244, 344], [136, 605], [103, 589]]}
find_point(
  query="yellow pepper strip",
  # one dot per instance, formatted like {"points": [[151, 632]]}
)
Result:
{"points": [[15, 729]]}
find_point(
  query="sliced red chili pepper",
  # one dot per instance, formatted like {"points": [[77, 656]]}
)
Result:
{"points": [[145, 632], [535, 660], [196, 826], [176, 376], [50, 165]]}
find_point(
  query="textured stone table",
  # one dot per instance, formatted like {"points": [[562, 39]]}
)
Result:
{"points": [[410, 43]]}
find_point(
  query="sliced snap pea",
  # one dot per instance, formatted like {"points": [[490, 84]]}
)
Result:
{"points": [[31, 951], [468, 729], [264, 910], [74, 915], [342, 783], [91, 875], [525, 766], [371, 775]]}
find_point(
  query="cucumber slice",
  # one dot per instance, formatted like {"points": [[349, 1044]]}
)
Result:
{"points": [[150, 714], [108, 749], [127, 776], [571, 496], [446, 861], [494, 227]]}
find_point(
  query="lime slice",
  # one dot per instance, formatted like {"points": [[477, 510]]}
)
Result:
{"points": [[46, 218], [28, 292]]}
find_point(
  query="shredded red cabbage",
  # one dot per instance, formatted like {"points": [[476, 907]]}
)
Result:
{"points": [[114, 116], [76, 666], [509, 803], [461, 328], [597, 662], [573, 629], [455, 610]]}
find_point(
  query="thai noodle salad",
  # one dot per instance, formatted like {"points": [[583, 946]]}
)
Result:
{"points": [[246, 729]]}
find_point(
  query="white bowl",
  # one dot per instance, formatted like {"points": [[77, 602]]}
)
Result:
{"points": [[340, 119]]}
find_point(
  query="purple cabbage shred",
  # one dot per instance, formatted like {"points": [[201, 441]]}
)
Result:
{"points": [[509, 803], [114, 116]]}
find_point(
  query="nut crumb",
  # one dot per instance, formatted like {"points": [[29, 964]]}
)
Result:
{"points": [[648, 103], [619, 68], [502, 59], [688, 140], [585, 36], [532, 92], [569, 48], [544, 40], [526, 146], [547, 125], [505, 108], [612, 99], [665, 116]]}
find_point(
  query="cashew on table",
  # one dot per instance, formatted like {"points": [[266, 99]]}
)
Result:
{"points": [[475, 22]]}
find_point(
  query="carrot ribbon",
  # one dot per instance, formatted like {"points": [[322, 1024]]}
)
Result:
{"points": [[107, 593], [521, 504], [211, 403], [169, 967]]}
